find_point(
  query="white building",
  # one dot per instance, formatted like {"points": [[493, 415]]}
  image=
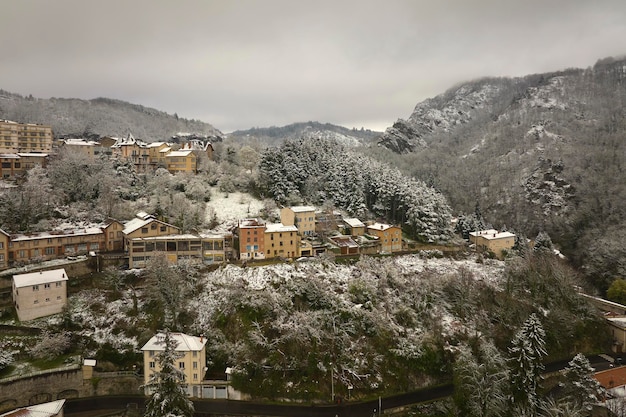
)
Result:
{"points": [[39, 294]]}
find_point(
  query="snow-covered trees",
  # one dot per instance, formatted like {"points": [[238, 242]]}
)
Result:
{"points": [[166, 386], [526, 353], [580, 386], [481, 382], [323, 171]]}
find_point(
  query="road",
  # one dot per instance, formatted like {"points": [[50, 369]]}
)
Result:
{"points": [[84, 407]]}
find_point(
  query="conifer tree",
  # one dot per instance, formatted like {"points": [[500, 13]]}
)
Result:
{"points": [[580, 385], [168, 396]]}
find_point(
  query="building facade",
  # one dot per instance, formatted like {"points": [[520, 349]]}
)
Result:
{"points": [[251, 234], [281, 241], [303, 217], [39, 294], [390, 236], [493, 240], [192, 360], [24, 137]]}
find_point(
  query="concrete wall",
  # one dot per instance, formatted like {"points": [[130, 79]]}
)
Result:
{"points": [[67, 383]]}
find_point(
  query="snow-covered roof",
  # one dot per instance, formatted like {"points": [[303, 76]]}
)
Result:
{"points": [[380, 226], [185, 343], [302, 209], [155, 144], [188, 236], [251, 223], [182, 153], [40, 410], [165, 150], [85, 231], [354, 222], [89, 362], [32, 155], [41, 277], [492, 234], [80, 142], [617, 321], [344, 241], [279, 227]]}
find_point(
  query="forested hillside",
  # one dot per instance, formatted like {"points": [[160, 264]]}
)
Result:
{"points": [[98, 117], [545, 152], [324, 172]]}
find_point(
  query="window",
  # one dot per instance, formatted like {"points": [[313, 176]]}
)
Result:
{"points": [[59, 284], [58, 297], [46, 285], [163, 228], [153, 226], [181, 365], [195, 376], [151, 353], [195, 365], [47, 299], [50, 251], [1, 245], [144, 230], [195, 354], [35, 287], [152, 365], [36, 302]]}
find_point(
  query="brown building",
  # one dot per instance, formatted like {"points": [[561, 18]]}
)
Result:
{"points": [[146, 225], [5, 238], [251, 239]]}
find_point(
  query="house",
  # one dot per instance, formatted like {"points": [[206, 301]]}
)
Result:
{"points": [[355, 226], [135, 150], [81, 146], [157, 152], [10, 166], [5, 238], [24, 137], [192, 361], [390, 236], [39, 294], [303, 217], [49, 409], [113, 237], [181, 161], [251, 239], [614, 381], [281, 241], [146, 225], [199, 146], [493, 241]]}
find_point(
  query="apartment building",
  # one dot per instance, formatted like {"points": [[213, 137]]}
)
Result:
{"points": [[303, 217], [207, 249], [145, 225], [281, 241], [251, 234], [39, 294], [192, 360], [181, 161], [43, 246], [24, 137], [390, 236]]}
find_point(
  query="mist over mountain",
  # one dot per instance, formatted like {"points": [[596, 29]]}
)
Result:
{"points": [[71, 117], [544, 152]]}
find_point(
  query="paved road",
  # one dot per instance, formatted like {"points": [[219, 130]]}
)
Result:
{"points": [[82, 407]]}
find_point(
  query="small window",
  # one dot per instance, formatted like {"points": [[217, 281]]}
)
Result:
{"points": [[144, 230], [35, 287], [163, 228], [152, 365], [181, 365], [46, 285]]}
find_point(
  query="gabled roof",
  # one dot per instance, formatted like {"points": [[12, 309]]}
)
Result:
{"points": [[41, 277], [380, 226], [40, 410], [491, 234], [183, 153], [185, 342], [612, 378], [137, 223]]}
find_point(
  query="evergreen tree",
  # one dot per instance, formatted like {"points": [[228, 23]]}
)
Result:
{"points": [[168, 396], [580, 385], [526, 353]]}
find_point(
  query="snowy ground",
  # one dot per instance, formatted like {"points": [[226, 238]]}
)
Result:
{"points": [[231, 207]]}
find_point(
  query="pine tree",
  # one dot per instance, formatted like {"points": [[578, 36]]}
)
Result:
{"points": [[580, 385], [168, 396], [526, 353]]}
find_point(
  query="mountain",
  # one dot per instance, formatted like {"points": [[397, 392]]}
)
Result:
{"points": [[70, 117], [544, 152], [275, 136]]}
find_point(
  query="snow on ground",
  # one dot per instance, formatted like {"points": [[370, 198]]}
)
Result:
{"points": [[231, 207]]}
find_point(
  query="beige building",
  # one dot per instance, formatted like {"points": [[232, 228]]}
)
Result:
{"points": [[146, 225], [390, 236], [303, 217], [24, 137], [192, 361], [492, 240], [39, 294], [208, 249], [181, 161], [5, 238], [355, 226], [281, 241]]}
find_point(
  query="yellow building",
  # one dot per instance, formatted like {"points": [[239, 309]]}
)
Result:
{"points": [[303, 217], [157, 152], [356, 226], [5, 238], [181, 161], [207, 249], [389, 236], [39, 294], [24, 137], [281, 241], [192, 360], [492, 240], [146, 225]]}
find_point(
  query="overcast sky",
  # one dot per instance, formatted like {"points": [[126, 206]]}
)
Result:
{"points": [[239, 64]]}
